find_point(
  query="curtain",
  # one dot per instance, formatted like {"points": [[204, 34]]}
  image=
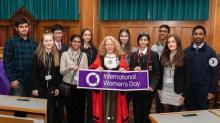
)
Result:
{"points": [[154, 10], [42, 9]]}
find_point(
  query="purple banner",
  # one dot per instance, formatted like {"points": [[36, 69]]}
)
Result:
{"points": [[4, 82], [113, 80]]}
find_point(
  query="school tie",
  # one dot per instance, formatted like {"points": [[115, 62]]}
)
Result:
{"points": [[59, 46], [141, 55]]}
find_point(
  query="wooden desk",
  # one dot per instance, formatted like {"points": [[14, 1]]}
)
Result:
{"points": [[35, 108], [203, 116], [215, 112]]}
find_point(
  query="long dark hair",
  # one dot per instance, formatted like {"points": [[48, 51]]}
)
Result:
{"points": [[178, 58], [90, 42], [128, 47]]}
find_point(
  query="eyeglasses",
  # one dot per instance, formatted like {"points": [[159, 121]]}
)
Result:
{"points": [[58, 32], [76, 41], [163, 31]]}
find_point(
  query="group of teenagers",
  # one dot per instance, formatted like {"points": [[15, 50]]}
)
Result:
{"points": [[177, 78]]}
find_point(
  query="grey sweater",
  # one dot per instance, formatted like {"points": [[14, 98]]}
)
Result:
{"points": [[68, 59]]}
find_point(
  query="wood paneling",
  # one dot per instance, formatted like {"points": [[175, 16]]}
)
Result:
{"points": [[182, 28], [3, 35], [186, 36], [70, 27], [89, 16], [216, 25]]}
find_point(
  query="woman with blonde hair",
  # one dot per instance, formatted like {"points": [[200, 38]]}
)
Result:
{"points": [[45, 73], [110, 106]]}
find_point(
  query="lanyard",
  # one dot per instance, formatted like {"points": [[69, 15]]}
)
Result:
{"points": [[171, 69], [49, 59]]}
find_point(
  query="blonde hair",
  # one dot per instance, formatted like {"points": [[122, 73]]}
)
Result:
{"points": [[42, 55], [117, 48]]}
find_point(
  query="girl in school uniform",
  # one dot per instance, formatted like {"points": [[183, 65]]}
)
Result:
{"points": [[88, 47], [124, 39], [144, 59]]}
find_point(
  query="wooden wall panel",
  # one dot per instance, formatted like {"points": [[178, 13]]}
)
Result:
{"points": [[155, 33], [216, 26], [182, 28], [3, 35], [114, 30], [70, 27], [89, 17], [186, 36], [6, 29]]}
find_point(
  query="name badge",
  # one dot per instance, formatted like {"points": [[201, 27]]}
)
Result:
{"points": [[76, 77], [169, 80], [150, 67], [48, 77]]}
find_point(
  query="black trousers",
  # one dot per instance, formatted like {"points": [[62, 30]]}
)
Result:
{"points": [[171, 108], [89, 117], [60, 109], [75, 106], [51, 104], [159, 106], [51, 108], [197, 98], [142, 101]]}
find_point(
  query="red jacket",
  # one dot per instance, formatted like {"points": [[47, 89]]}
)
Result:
{"points": [[121, 106]]}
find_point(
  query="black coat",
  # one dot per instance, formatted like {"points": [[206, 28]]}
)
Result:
{"points": [[153, 66], [203, 74], [64, 48], [181, 78], [39, 71], [91, 53]]}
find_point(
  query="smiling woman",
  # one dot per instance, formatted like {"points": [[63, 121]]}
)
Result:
{"points": [[144, 59], [105, 103], [48, 42], [45, 73], [71, 61]]}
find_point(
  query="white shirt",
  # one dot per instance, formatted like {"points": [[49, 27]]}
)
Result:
{"points": [[143, 51], [200, 46]]}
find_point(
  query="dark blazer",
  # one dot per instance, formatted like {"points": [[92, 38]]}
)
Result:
{"points": [[91, 53], [153, 66], [64, 47], [181, 78], [39, 71]]}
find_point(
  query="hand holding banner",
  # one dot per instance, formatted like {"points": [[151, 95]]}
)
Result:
{"points": [[113, 80]]}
